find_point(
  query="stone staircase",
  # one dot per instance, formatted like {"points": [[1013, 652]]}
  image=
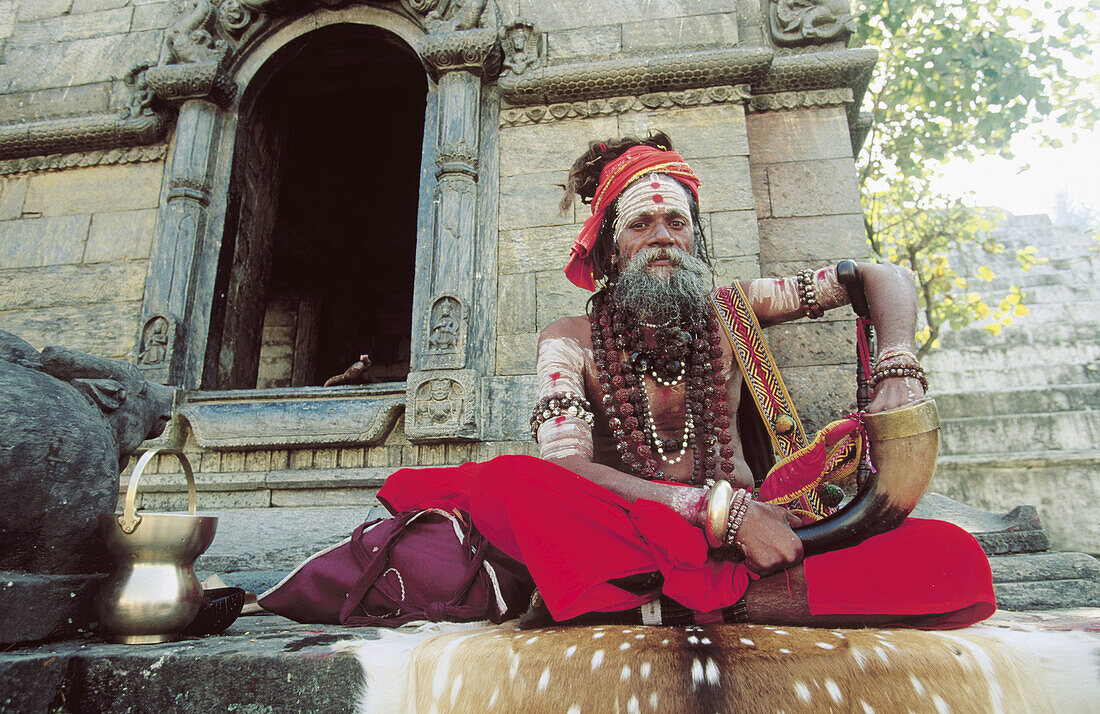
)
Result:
{"points": [[1021, 413]]}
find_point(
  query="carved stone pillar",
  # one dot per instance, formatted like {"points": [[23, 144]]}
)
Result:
{"points": [[443, 397], [170, 344]]}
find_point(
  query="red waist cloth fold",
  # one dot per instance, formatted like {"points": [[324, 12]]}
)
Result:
{"points": [[575, 536]]}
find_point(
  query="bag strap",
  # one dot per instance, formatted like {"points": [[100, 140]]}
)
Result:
{"points": [[372, 564], [759, 369], [375, 563]]}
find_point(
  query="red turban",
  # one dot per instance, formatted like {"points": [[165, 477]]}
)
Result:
{"points": [[636, 162]]}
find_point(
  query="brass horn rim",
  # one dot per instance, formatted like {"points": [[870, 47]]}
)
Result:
{"points": [[919, 417]]}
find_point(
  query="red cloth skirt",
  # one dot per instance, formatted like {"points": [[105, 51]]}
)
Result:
{"points": [[575, 536]]}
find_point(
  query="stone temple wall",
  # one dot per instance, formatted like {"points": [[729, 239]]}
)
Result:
{"points": [[114, 182]]}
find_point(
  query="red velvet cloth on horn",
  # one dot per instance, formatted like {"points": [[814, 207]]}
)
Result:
{"points": [[575, 536]]}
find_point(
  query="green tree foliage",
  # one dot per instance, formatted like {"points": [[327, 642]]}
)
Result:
{"points": [[958, 79]]}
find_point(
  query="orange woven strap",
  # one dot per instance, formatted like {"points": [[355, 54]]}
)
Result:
{"points": [[761, 374]]}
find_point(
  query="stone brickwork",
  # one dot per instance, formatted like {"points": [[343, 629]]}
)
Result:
{"points": [[74, 249], [1020, 409], [69, 57], [807, 204]]}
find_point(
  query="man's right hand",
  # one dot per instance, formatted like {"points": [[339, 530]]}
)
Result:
{"points": [[767, 538]]}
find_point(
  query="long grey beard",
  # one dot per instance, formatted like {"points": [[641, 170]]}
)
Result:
{"points": [[658, 295]]}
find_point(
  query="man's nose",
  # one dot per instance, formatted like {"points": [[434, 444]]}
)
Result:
{"points": [[660, 235]]}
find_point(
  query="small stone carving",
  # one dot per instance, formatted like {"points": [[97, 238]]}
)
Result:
{"points": [[449, 15], [442, 405], [195, 68], [476, 50], [95, 157], [801, 22], [190, 41], [795, 100], [522, 47], [445, 325], [134, 123], [68, 423], [445, 334], [156, 348], [355, 374], [154, 342], [439, 402]]}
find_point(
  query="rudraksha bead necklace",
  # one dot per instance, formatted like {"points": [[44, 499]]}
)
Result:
{"points": [[692, 354]]}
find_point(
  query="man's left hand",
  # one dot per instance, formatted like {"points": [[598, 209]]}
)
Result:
{"points": [[895, 392]]}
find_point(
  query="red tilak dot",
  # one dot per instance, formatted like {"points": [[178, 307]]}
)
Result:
{"points": [[559, 420], [655, 184], [554, 377], [658, 198]]}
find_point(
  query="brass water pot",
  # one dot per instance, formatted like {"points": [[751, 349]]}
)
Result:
{"points": [[152, 593]]}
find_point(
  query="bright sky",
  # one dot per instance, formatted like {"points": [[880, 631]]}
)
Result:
{"points": [[1029, 183]]}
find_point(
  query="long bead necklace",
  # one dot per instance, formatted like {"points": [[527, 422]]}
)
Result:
{"points": [[695, 355]]}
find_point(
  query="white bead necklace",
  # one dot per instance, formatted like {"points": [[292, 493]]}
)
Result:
{"points": [[689, 428]]}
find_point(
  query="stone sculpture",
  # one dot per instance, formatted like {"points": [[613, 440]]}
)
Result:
{"points": [[68, 423]]}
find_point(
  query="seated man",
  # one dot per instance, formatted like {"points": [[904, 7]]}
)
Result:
{"points": [[638, 417]]}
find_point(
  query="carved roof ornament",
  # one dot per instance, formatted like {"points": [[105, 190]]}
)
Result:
{"points": [[810, 22], [476, 51], [196, 60]]}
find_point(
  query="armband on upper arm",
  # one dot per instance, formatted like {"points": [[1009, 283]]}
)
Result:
{"points": [[562, 420]]}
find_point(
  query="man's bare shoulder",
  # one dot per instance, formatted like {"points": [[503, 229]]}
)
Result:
{"points": [[576, 328]]}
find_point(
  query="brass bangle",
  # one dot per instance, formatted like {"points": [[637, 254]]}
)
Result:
{"points": [[718, 513]]}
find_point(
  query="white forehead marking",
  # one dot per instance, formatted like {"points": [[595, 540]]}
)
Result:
{"points": [[641, 197]]}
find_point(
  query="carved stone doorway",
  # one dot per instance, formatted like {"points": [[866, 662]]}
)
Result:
{"points": [[318, 253]]}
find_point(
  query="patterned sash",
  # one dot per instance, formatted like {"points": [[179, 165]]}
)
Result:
{"points": [[761, 375], [802, 468]]}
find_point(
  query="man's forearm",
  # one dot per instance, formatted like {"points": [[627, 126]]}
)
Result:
{"points": [[684, 500], [892, 299]]}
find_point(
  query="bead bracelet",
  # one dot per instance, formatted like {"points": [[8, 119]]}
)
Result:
{"points": [[560, 404]]}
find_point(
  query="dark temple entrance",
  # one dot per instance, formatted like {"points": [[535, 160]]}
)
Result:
{"points": [[319, 249]]}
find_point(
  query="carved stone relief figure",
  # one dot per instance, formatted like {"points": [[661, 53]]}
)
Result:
{"points": [[443, 335], [449, 15], [190, 41], [797, 22], [154, 342], [522, 47], [440, 402]]}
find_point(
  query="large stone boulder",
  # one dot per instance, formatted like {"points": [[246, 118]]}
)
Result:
{"points": [[68, 423]]}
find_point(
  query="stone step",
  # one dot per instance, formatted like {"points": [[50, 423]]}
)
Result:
{"points": [[1014, 433], [276, 539], [260, 664], [1010, 355], [1040, 329], [1040, 581], [1062, 485], [1048, 594], [985, 379], [1059, 398]]}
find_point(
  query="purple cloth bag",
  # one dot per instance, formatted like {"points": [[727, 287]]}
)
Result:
{"points": [[418, 565]]}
